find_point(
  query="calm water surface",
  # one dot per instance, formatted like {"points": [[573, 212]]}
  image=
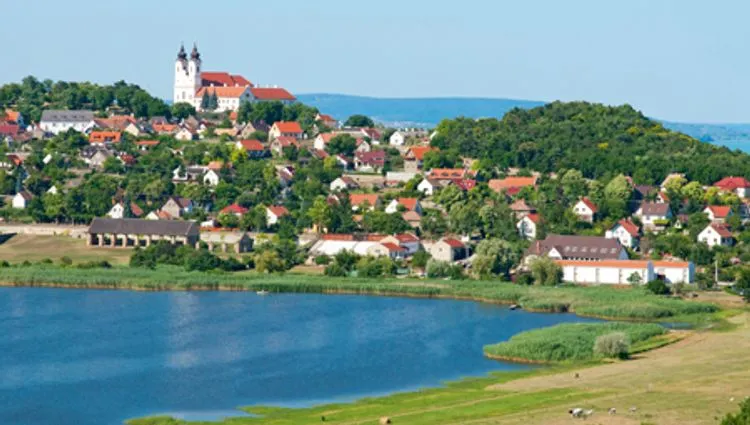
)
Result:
{"points": [[80, 357]]}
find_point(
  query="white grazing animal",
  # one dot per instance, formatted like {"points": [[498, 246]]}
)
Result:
{"points": [[576, 412], [612, 411]]}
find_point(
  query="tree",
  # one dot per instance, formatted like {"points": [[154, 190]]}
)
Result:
{"points": [[658, 287], [545, 271], [740, 418], [359, 121], [205, 101], [420, 258], [321, 214], [344, 144], [574, 185], [634, 279], [182, 110], [268, 261], [613, 345], [494, 257], [213, 102]]}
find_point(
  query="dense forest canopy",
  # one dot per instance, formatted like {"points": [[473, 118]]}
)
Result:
{"points": [[598, 140], [31, 97]]}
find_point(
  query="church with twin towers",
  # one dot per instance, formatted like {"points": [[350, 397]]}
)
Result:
{"points": [[193, 85]]}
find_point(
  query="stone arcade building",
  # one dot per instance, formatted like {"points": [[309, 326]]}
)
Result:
{"points": [[128, 232]]}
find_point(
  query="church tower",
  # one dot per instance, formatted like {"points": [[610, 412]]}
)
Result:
{"points": [[187, 76]]}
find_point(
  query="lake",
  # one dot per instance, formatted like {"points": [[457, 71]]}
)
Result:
{"points": [[743, 145], [86, 357]]}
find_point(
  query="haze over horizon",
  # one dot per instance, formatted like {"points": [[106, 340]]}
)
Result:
{"points": [[675, 60]]}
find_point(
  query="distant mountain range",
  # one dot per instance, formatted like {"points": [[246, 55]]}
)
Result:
{"points": [[428, 112]]}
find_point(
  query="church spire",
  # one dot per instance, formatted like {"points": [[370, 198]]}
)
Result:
{"points": [[194, 54], [181, 55]]}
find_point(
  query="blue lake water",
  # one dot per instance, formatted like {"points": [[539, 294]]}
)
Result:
{"points": [[81, 357], [743, 145]]}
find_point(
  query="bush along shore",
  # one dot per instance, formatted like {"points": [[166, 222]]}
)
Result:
{"points": [[578, 342], [633, 304]]}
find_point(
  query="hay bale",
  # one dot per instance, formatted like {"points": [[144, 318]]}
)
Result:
{"points": [[385, 420]]}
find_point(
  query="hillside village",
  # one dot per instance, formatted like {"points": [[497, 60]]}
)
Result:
{"points": [[236, 168]]}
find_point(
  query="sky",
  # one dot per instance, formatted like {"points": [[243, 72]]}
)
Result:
{"points": [[681, 60]]}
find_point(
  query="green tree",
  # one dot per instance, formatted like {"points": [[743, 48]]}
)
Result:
{"points": [[420, 258], [494, 257], [182, 110], [213, 102], [359, 121], [740, 418], [546, 272], [205, 101], [342, 144]]}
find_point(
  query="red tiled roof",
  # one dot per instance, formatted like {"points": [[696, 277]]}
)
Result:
{"points": [[288, 127], [12, 116], [234, 209], [406, 238], [448, 173], [720, 211], [409, 203], [418, 152], [454, 243], [147, 143], [286, 141], [278, 210], [164, 128], [629, 227], [325, 118], [732, 183], [590, 204], [357, 199], [9, 129], [15, 159], [498, 185], [372, 158], [372, 133], [392, 247], [722, 230], [116, 122], [105, 136], [232, 92], [671, 264], [272, 94], [223, 79], [465, 184], [215, 165], [536, 218], [252, 145]]}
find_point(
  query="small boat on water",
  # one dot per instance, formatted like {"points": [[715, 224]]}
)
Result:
{"points": [[514, 307], [262, 292]]}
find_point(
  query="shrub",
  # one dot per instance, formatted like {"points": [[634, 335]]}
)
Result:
{"points": [[524, 279], [322, 260], [438, 269], [658, 287], [614, 345], [66, 261], [46, 261], [546, 272], [741, 418], [335, 270], [4, 264]]}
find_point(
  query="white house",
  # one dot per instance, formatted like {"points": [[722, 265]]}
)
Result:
{"points": [[609, 272], [211, 178], [274, 214], [399, 137], [674, 272], [185, 134], [118, 210], [343, 183], [527, 226], [716, 235], [627, 232], [58, 121], [410, 243], [22, 199], [409, 204], [718, 213], [654, 215], [228, 98], [585, 210], [429, 186], [738, 185]]}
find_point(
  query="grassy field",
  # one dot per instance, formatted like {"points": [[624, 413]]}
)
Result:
{"points": [[36, 248], [691, 382]]}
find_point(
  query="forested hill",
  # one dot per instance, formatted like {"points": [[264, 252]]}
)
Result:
{"points": [[600, 141]]}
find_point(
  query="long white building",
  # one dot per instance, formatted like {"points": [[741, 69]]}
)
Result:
{"points": [[625, 272]]}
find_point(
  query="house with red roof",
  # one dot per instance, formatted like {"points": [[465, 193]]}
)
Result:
{"points": [[327, 120], [718, 213], [447, 249], [655, 216], [228, 98], [409, 242], [404, 204], [272, 94], [12, 117], [586, 210], [627, 232], [528, 226], [716, 235], [286, 129], [280, 143], [369, 162], [512, 185], [414, 157], [360, 200], [274, 213], [254, 148], [102, 137], [234, 209], [738, 185]]}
